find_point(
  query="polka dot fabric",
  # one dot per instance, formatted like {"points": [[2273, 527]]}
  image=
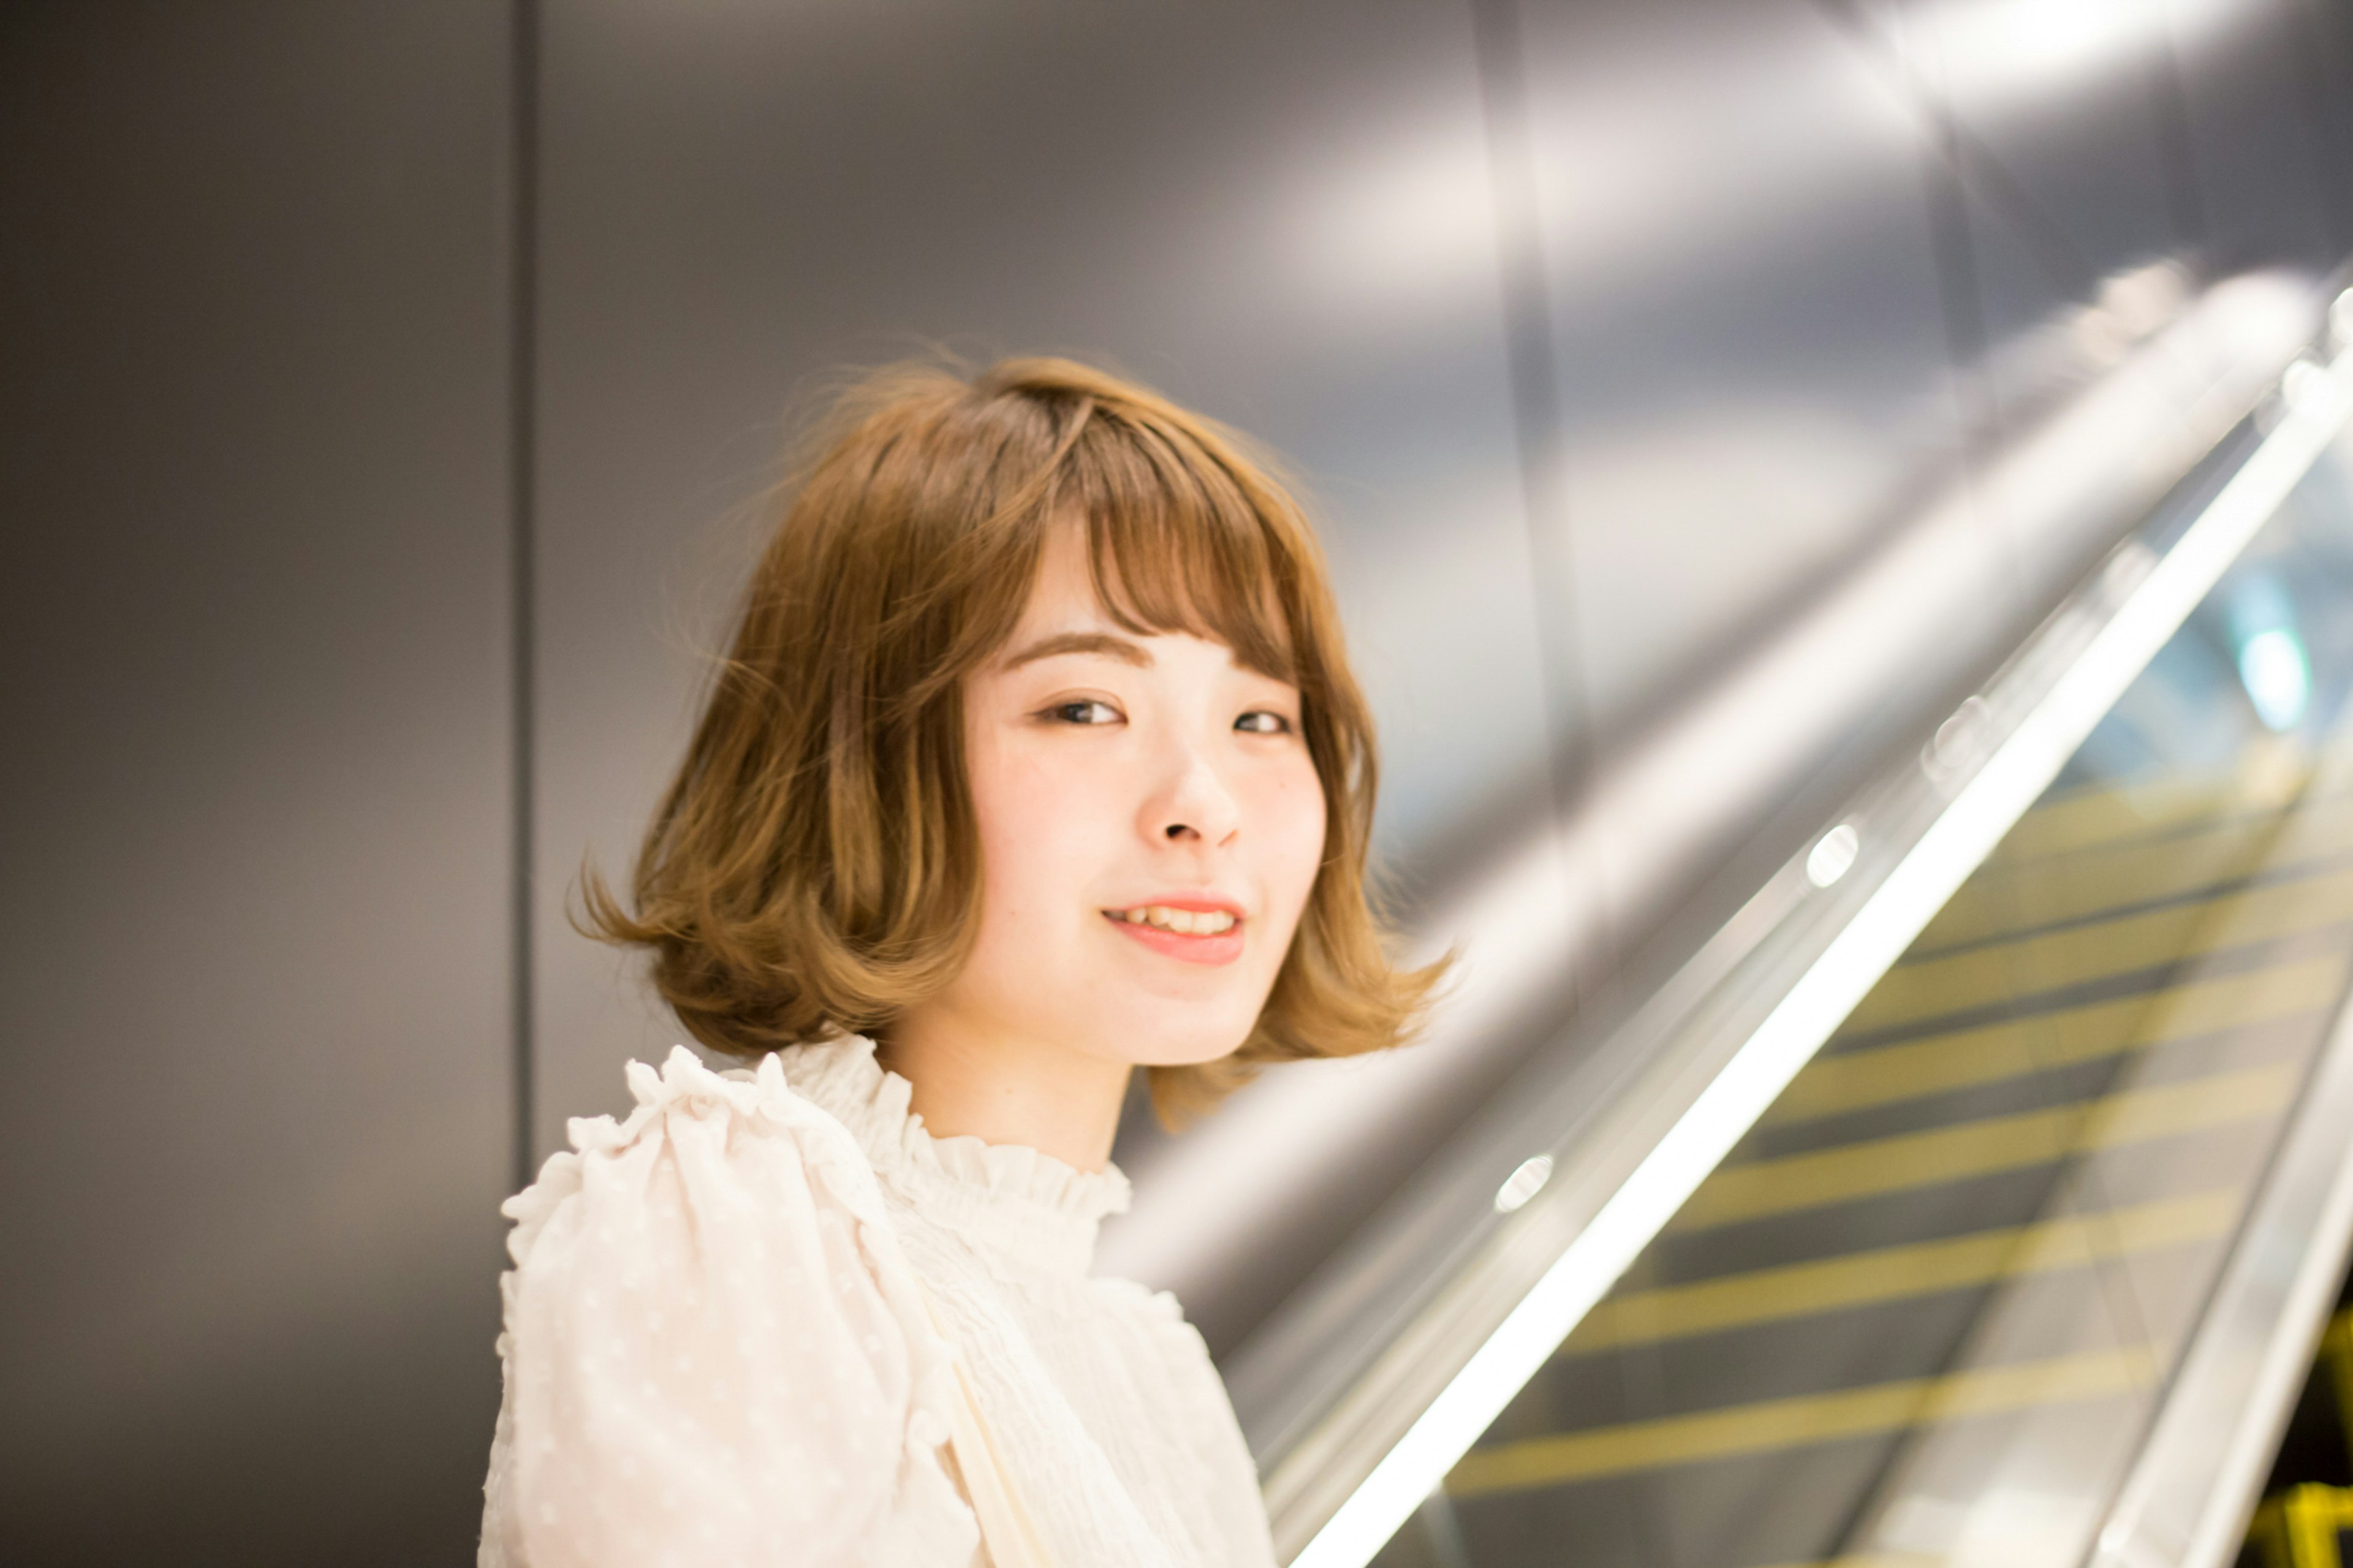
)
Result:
{"points": [[718, 1350]]}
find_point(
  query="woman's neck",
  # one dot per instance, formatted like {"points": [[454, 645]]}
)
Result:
{"points": [[968, 1083]]}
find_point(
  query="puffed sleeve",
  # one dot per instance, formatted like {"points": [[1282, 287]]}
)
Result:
{"points": [[713, 1353]]}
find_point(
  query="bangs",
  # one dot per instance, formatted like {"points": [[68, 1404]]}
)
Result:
{"points": [[1177, 542]]}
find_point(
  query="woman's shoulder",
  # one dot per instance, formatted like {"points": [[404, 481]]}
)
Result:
{"points": [[698, 1136], [709, 1320]]}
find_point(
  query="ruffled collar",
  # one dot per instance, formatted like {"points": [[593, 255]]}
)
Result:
{"points": [[1002, 1198]]}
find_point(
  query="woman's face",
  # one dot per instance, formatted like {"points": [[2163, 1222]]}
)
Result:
{"points": [[1150, 826]]}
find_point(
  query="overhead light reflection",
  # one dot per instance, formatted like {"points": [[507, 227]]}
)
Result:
{"points": [[1833, 857], [1524, 1184], [2278, 678], [1409, 222], [2008, 45], [2272, 665], [2042, 39]]}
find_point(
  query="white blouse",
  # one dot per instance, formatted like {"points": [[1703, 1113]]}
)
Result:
{"points": [[715, 1355]]}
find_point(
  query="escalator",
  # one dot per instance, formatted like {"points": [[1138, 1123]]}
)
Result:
{"points": [[1979, 1195], [1971, 1234]]}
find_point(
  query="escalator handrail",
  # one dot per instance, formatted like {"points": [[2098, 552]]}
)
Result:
{"points": [[1390, 1440]]}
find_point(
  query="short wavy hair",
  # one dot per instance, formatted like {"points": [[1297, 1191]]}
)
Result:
{"points": [[814, 864]]}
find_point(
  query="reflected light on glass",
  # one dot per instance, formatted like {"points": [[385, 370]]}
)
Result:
{"points": [[2272, 665], [2278, 678], [1833, 854], [1408, 224], [1524, 1184], [1991, 45], [2042, 37], [2304, 380]]}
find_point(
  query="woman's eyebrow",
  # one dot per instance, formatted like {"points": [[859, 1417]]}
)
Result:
{"points": [[1102, 643]]}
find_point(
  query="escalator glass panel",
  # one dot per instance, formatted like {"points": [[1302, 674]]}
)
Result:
{"points": [[1923, 1312]]}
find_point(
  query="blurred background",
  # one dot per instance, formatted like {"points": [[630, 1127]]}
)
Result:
{"points": [[1700, 399]]}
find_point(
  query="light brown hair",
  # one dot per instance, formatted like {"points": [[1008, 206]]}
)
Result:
{"points": [[814, 863]]}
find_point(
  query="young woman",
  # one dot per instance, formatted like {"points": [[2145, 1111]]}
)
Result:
{"points": [[1036, 760]]}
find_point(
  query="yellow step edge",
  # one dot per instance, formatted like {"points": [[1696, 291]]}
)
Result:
{"points": [[2121, 813], [2084, 818], [2005, 900], [1777, 1423], [1895, 1273], [2265, 779], [1914, 1160], [2300, 1528], [1965, 1058], [1982, 976]]}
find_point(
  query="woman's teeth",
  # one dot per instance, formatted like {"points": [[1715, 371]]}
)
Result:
{"points": [[1190, 922]]}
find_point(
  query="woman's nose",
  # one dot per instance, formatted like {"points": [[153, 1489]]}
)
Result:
{"points": [[1195, 808]]}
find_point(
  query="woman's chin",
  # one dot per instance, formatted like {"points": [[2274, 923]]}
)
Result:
{"points": [[1161, 1050]]}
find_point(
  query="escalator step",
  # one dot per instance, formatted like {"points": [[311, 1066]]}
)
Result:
{"points": [[2309, 1526]]}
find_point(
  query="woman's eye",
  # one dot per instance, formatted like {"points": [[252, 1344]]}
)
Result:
{"points": [[1261, 722], [1087, 710]]}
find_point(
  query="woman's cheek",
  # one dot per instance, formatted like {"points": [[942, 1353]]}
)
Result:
{"points": [[1043, 823], [1298, 825]]}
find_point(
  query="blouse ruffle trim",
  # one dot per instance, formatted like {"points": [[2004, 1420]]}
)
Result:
{"points": [[1005, 1197], [842, 1074], [1008, 1200]]}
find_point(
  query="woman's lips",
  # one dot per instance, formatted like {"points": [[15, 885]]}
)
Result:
{"points": [[1189, 947]]}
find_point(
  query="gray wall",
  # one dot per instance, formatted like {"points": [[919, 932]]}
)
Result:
{"points": [[254, 877], [1605, 333]]}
